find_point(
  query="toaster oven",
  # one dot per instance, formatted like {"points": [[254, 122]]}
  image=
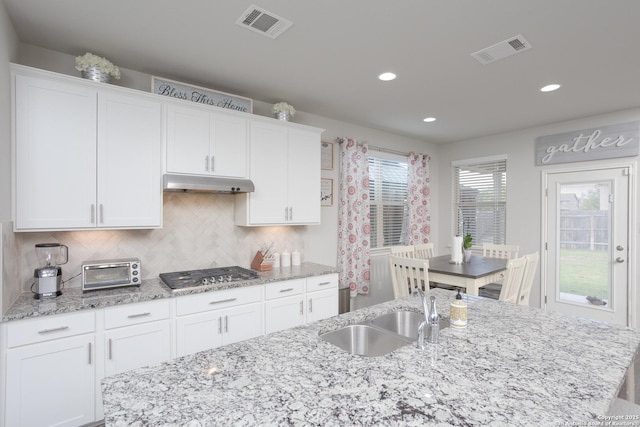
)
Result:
{"points": [[111, 273]]}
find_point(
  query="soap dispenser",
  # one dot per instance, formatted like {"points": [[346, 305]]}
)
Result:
{"points": [[458, 312]]}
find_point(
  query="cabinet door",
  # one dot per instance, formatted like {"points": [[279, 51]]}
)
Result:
{"points": [[198, 332], [322, 304], [284, 313], [188, 140], [136, 346], [242, 322], [268, 203], [55, 146], [129, 170], [304, 176], [51, 383], [229, 146]]}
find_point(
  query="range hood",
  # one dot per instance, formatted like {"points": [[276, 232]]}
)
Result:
{"points": [[207, 184]]}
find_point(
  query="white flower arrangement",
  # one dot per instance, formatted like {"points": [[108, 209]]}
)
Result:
{"points": [[89, 60], [283, 106]]}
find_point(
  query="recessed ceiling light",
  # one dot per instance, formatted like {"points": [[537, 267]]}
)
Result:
{"points": [[429, 119], [550, 88], [385, 77]]}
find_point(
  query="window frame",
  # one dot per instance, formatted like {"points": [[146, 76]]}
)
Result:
{"points": [[501, 236]]}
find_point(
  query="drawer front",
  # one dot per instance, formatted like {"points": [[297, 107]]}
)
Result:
{"points": [[319, 283], [133, 314], [284, 289], [31, 331], [206, 301]]}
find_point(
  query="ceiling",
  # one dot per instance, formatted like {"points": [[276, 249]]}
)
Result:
{"points": [[327, 63]]}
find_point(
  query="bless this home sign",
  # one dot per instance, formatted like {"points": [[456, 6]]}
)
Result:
{"points": [[606, 142], [200, 95]]}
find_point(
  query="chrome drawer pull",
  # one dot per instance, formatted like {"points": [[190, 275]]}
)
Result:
{"points": [[310, 306], [219, 325], [46, 331], [89, 353], [324, 283], [226, 323], [301, 308], [223, 300], [131, 316], [286, 290], [110, 350]]}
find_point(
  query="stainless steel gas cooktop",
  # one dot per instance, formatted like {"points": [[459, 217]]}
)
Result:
{"points": [[209, 276]]}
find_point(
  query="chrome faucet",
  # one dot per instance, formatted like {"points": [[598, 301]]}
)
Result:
{"points": [[423, 325]]}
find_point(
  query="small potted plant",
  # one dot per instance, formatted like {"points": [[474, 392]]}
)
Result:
{"points": [[283, 111], [94, 67], [467, 242]]}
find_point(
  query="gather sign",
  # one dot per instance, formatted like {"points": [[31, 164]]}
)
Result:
{"points": [[605, 142]]}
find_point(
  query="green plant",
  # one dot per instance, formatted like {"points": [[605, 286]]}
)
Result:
{"points": [[467, 241]]}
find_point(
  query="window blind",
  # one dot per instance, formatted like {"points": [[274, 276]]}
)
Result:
{"points": [[388, 201], [480, 200]]}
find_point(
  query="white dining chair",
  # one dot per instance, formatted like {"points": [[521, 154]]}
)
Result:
{"points": [[402, 251], [492, 250], [513, 280], [408, 273], [423, 250], [527, 280]]}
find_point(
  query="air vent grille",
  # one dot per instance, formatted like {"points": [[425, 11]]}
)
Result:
{"points": [[502, 50], [263, 22]]}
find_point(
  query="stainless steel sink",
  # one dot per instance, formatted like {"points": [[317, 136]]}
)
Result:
{"points": [[365, 340], [404, 323]]}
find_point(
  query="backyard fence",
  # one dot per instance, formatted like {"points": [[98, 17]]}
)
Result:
{"points": [[584, 229]]}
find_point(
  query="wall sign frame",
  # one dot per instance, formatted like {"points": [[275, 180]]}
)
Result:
{"points": [[326, 192], [604, 142], [200, 95]]}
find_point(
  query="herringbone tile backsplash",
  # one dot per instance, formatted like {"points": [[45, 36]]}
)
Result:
{"points": [[198, 232]]}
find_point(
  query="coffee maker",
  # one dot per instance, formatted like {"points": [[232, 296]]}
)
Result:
{"points": [[47, 279]]}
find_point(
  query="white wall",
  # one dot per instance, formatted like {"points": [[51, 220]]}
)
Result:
{"points": [[523, 179]]}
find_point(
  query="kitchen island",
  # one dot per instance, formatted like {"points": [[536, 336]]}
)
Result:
{"points": [[512, 365]]}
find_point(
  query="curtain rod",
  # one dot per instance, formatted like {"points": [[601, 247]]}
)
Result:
{"points": [[384, 150]]}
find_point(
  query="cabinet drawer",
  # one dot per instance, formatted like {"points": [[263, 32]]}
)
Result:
{"points": [[319, 283], [133, 314], [284, 289], [206, 301], [52, 327]]}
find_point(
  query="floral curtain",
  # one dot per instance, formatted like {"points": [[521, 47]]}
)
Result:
{"points": [[419, 191], [354, 229]]}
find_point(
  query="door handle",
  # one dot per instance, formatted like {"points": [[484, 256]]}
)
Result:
{"points": [[619, 260]]}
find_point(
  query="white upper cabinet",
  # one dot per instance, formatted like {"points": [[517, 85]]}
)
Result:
{"points": [[203, 142], [86, 157], [285, 168]]}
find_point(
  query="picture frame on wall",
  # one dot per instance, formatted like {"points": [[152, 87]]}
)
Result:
{"points": [[326, 192], [326, 156]]}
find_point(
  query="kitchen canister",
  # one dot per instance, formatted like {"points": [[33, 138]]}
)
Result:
{"points": [[295, 258], [276, 260], [458, 312], [285, 259]]}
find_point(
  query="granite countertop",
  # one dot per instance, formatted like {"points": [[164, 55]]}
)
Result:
{"points": [[73, 299], [512, 365]]}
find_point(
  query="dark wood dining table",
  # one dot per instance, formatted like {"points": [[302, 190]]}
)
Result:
{"points": [[479, 271]]}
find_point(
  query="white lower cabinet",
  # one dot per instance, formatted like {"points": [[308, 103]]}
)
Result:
{"points": [[50, 372], [321, 297], [209, 320], [284, 305]]}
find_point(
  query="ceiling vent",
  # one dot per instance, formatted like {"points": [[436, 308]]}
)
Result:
{"points": [[261, 21], [501, 50]]}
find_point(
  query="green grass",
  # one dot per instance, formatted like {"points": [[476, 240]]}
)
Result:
{"points": [[584, 272]]}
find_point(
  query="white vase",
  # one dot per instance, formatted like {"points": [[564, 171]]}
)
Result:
{"points": [[283, 115]]}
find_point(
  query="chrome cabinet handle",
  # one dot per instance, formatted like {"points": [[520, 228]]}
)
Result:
{"points": [[301, 307], [290, 213], [286, 214], [212, 164], [89, 353], [310, 306], [220, 325], [222, 300], [93, 213], [131, 316], [101, 213], [46, 331], [286, 290], [324, 283], [226, 323], [206, 163], [110, 350]]}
